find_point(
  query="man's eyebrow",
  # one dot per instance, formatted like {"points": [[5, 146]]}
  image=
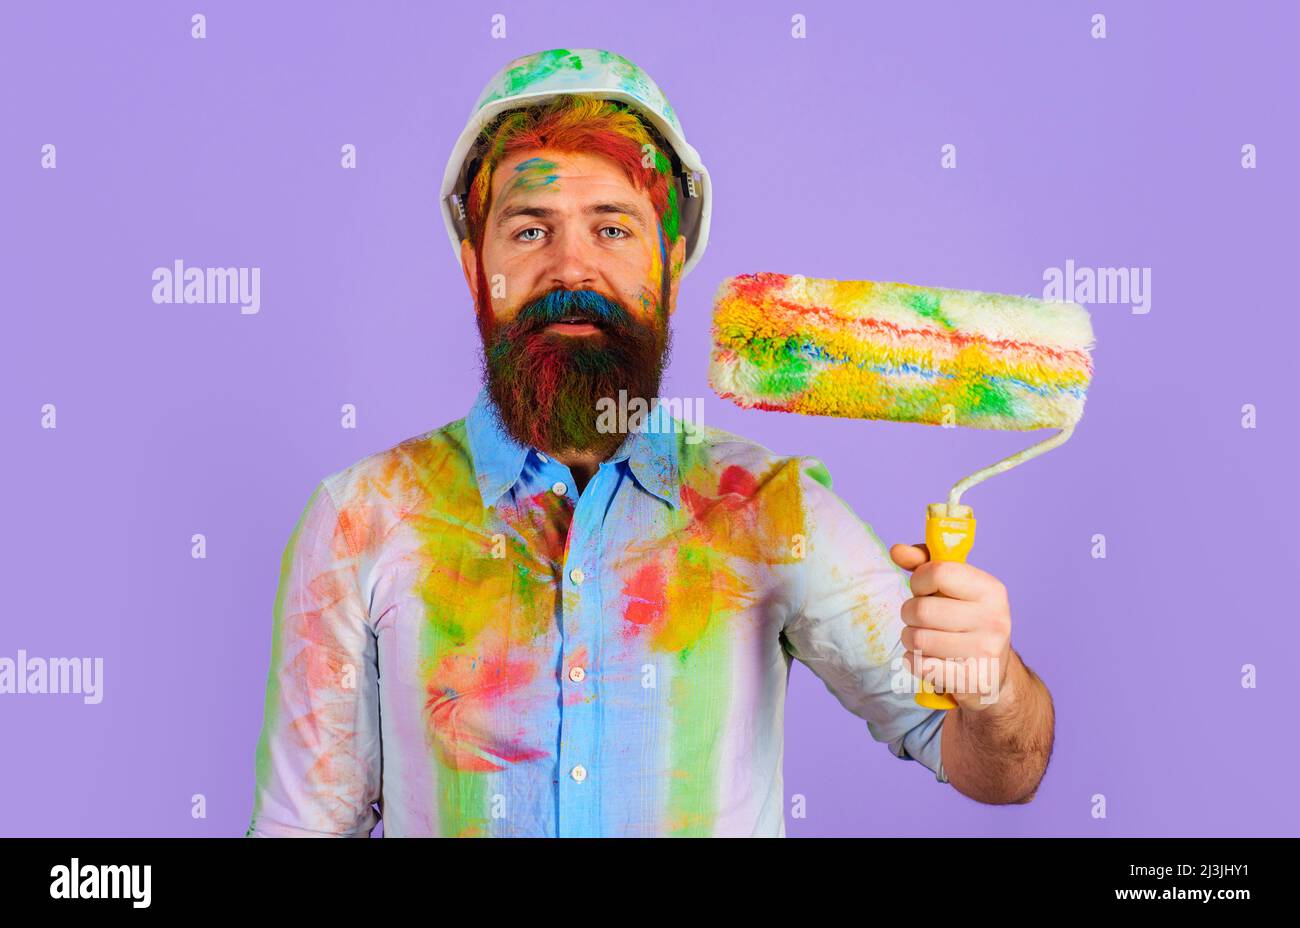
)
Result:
{"points": [[545, 212], [510, 212], [628, 208]]}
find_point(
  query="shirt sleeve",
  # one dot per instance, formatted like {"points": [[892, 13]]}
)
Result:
{"points": [[848, 630], [318, 757]]}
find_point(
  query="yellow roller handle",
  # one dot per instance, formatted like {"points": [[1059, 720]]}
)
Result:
{"points": [[949, 534]]}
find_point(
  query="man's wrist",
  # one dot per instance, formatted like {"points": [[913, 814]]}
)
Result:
{"points": [[1006, 697]]}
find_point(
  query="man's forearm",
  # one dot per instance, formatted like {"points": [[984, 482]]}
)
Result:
{"points": [[998, 754]]}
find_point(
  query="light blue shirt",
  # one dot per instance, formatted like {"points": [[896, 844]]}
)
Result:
{"points": [[465, 640]]}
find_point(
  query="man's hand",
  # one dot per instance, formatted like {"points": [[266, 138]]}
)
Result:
{"points": [[963, 634]]}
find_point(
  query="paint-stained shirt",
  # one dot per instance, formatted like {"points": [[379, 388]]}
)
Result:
{"points": [[466, 645]]}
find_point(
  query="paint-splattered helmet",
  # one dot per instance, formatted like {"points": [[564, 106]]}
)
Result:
{"points": [[538, 77]]}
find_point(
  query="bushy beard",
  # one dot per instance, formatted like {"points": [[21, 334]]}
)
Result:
{"points": [[546, 385]]}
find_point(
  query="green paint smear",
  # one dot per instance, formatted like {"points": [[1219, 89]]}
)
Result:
{"points": [[671, 220], [790, 378], [817, 471], [540, 66], [784, 370], [988, 399], [461, 795], [927, 305], [274, 685], [699, 707]]}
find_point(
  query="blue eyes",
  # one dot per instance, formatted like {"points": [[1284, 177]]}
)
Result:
{"points": [[523, 234]]}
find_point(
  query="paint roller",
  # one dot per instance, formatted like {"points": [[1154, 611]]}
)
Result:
{"points": [[874, 350]]}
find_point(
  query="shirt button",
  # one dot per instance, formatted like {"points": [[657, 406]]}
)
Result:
{"points": [[559, 489], [576, 575], [579, 773], [541, 457], [576, 674]]}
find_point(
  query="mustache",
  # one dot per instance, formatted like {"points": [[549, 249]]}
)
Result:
{"points": [[587, 305]]}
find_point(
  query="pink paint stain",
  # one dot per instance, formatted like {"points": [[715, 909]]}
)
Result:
{"points": [[464, 697]]}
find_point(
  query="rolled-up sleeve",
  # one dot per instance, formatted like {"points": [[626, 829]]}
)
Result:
{"points": [[318, 758], [848, 630]]}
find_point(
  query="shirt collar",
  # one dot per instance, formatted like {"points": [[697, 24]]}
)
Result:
{"points": [[499, 460], [651, 453]]}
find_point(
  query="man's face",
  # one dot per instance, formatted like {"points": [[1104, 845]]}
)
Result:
{"points": [[570, 237]]}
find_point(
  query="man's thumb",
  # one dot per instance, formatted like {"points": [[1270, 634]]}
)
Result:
{"points": [[909, 557]]}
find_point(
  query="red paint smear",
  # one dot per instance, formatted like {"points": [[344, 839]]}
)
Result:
{"points": [[763, 405], [736, 487], [645, 592], [461, 697], [735, 479]]}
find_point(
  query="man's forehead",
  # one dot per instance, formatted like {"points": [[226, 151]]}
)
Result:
{"points": [[544, 170], [534, 185]]}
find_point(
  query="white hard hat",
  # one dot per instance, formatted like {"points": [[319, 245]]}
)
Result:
{"points": [[594, 72]]}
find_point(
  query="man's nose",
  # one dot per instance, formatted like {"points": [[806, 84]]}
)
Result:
{"points": [[574, 258]]}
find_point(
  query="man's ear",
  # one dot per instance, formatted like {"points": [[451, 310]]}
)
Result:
{"points": [[469, 266], [676, 260]]}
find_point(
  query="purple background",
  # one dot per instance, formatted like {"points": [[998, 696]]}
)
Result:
{"points": [[178, 419]]}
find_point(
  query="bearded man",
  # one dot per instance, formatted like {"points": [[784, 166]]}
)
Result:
{"points": [[524, 623]]}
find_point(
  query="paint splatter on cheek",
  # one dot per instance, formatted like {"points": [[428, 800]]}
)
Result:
{"points": [[645, 299], [652, 296]]}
